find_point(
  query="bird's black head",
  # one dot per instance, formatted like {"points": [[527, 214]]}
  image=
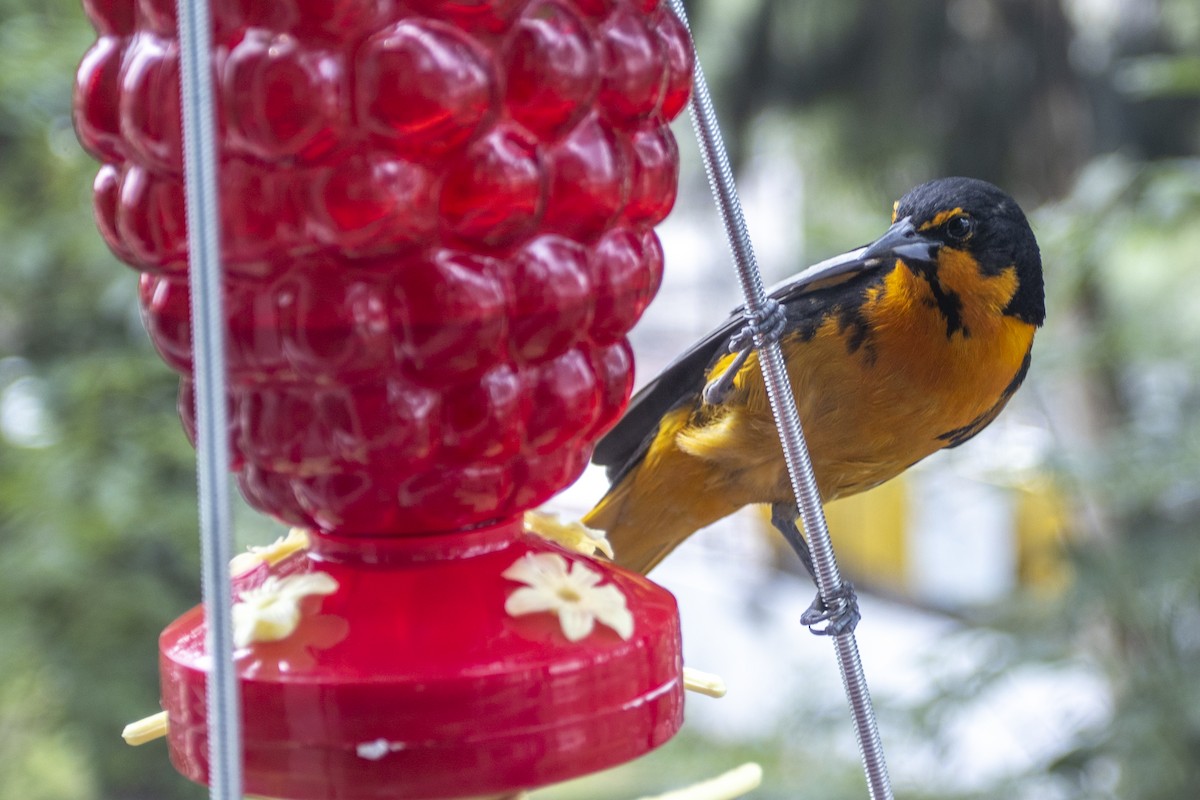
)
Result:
{"points": [[965, 215]]}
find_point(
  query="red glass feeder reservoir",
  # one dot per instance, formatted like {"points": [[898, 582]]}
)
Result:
{"points": [[436, 233]]}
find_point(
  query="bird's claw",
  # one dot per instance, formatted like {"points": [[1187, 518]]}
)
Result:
{"points": [[840, 613], [770, 323]]}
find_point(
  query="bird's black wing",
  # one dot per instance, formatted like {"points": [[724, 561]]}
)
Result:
{"points": [[622, 448], [806, 300]]}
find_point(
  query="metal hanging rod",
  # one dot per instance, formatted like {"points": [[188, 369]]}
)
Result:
{"points": [[787, 420], [212, 445]]}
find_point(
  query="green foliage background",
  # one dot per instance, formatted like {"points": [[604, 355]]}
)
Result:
{"points": [[1088, 110]]}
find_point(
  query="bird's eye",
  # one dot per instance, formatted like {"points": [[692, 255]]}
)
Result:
{"points": [[960, 228]]}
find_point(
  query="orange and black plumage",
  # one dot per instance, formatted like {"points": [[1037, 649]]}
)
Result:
{"points": [[911, 344]]}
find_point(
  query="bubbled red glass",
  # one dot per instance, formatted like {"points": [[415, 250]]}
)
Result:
{"points": [[436, 230]]}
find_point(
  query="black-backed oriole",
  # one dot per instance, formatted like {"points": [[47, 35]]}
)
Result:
{"points": [[895, 350]]}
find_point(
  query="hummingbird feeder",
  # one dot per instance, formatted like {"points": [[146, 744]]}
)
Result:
{"points": [[436, 231]]}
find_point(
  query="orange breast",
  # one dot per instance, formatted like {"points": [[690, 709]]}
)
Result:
{"points": [[872, 406]]}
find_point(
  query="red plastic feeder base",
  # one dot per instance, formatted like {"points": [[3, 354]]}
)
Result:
{"points": [[410, 681]]}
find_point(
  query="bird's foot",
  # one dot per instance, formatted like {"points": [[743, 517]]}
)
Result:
{"points": [[770, 323], [840, 614]]}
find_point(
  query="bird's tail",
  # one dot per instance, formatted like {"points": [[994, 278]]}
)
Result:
{"points": [[660, 500], [640, 537]]}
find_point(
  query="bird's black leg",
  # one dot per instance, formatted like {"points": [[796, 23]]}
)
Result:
{"points": [[783, 517], [717, 390], [841, 612]]}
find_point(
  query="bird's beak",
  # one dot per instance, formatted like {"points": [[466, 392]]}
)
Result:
{"points": [[902, 240]]}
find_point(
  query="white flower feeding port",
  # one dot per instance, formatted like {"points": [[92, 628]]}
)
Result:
{"points": [[270, 612], [571, 591]]}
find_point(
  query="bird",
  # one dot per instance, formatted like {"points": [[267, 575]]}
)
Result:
{"points": [[894, 350]]}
